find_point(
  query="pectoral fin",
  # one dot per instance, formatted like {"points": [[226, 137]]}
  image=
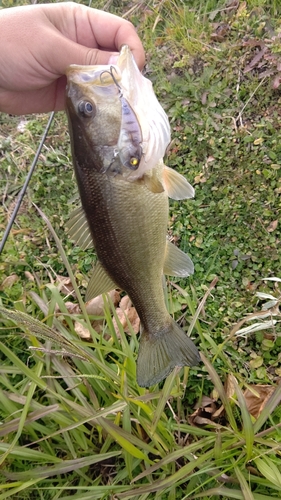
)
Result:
{"points": [[78, 229], [99, 283], [153, 183], [176, 186], [177, 263]]}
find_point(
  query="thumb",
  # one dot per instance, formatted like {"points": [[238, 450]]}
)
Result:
{"points": [[68, 52], [78, 54], [74, 53]]}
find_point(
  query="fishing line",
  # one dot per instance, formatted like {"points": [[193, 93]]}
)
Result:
{"points": [[24, 188]]}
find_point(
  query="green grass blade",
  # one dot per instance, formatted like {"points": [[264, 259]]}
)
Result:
{"points": [[247, 494], [64, 467], [248, 428], [165, 394], [227, 493], [219, 387], [17, 489], [269, 470], [128, 441], [28, 454], [270, 406]]}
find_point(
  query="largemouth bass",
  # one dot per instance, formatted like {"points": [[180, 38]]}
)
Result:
{"points": [[119, 134]]}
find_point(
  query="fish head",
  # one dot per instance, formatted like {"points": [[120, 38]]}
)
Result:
{"points": [[114, 114], [94, 113]]}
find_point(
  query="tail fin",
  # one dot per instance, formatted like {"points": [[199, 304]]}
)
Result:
{"points": [[160, 353]]}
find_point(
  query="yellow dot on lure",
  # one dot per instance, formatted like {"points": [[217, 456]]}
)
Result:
{"points": [[134, 161]]}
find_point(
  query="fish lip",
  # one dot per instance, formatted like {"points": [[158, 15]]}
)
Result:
{"points": [[97, 75], [124, 51], [74, 71]]}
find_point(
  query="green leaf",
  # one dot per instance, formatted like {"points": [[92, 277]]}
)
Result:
{"points": [[247, 494], [63, 467], [220, 389], [126, 441], [269, 470], [248, 429], [268, 409]]}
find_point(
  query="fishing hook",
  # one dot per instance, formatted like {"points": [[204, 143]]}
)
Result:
{"points": [[110, 72]]}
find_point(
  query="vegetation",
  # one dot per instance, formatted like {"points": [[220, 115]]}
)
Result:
{"points": [[74, 423]]}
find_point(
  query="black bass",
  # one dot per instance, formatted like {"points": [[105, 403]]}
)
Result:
{"points": [[119, 134]]}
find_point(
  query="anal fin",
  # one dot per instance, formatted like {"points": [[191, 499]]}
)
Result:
{"points": [[99, 283], [177, 263]]}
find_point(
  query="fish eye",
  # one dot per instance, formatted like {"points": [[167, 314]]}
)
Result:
{"points": [[86, 108]]}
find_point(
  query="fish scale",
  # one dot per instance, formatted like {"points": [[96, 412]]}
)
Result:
{"points": [[136, 271]]}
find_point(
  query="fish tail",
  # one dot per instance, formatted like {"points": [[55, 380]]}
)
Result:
{"points": [[160, 353]]}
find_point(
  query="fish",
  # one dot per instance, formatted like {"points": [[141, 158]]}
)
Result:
{"points": [[119, 133]]}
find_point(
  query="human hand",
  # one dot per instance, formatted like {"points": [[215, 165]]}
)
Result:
{"points": [[38, 42]]}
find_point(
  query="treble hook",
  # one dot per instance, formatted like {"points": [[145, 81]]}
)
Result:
{"points": [[110, 72]]}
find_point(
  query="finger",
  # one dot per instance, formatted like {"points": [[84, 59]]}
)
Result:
{"points": [[30, 101], [72, 53], [114, 32], [93, 29]]}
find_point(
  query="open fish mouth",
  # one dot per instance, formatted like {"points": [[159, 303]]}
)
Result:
{"points": [[144, 127], [99, 75]]}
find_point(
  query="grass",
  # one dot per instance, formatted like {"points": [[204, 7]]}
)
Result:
{"points": [[74, 423]]}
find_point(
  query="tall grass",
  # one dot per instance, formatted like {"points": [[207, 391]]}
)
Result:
{"points": [[75, 424]]}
